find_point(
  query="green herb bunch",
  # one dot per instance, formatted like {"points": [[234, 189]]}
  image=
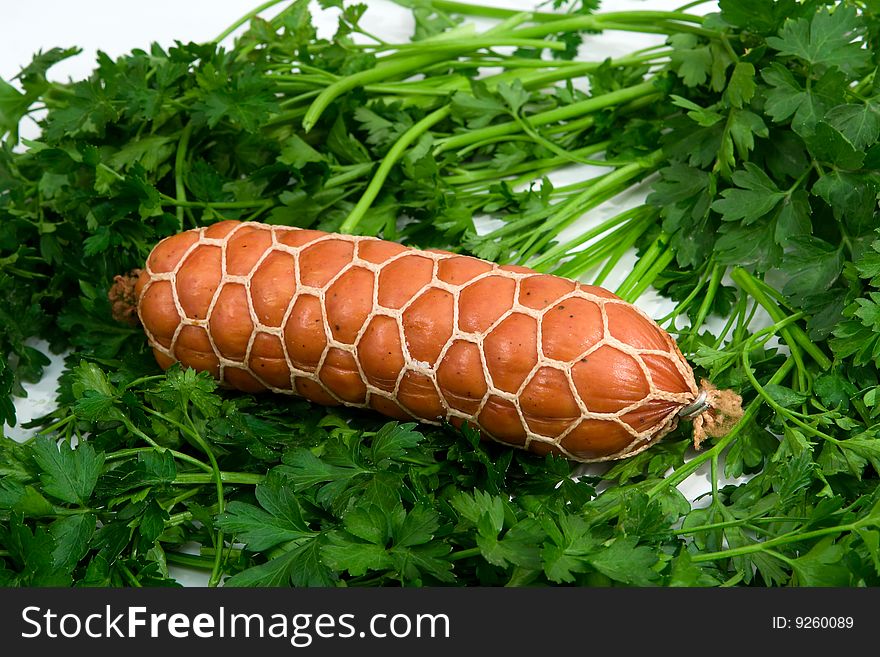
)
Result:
{"points": [[754, 129]]}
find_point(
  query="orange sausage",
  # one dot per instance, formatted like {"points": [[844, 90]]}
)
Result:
{"points": [[532, 360]]}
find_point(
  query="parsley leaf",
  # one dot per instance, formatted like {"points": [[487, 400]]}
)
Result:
{"points": [[755, 196], [860, 124], [66, 473], [811, 266], [829, 38], [277, 520]]}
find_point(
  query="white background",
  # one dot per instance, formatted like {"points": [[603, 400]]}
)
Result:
{"points": [[117, 27]]}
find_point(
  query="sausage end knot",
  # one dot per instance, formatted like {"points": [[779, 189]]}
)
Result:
{"points": [[714, 412], [123, 300]]}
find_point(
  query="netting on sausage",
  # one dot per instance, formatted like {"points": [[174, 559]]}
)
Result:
{"points": [[512, 372]]}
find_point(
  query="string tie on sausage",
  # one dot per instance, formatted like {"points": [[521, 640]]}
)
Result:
{"points": [[714, 412], [122, 297]]}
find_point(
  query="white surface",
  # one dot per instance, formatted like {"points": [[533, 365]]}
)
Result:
{"points": [[118, 27]]}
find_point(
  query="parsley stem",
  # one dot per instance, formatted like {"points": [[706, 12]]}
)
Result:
{"points": [[492, 140], [646, 281], [287, 116], [56, 425], [141, 380], [61, 511], [593, 254], [189, 430], [570, 67], [610, 249], [794, 335], [174, 501], [606, 186], [735, 579], [241, 478], [127, 575], [382, 71], [709, 298], [539, 139], [662, 27], [552, 254], [176, 519], [236, 552], [403, 49], [617, 253], [295, 100], [390, 159], [864, 83], [648, 22], [773, 293], [405, 90], [190, 560], [532, 80], [791, 537], [713, 474], [179, 164], [356, 171], [134, 451], [556, 217], [533, 167], [217, 478], [111, 171], [563, 113], [541, 79], [744, 318], [698, 529], [725, 42], [179, 455], [682, 306], [650, 16], [464, 554], [585, 123], [781, 410], [644, 264]]}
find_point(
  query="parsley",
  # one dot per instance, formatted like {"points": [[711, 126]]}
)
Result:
{"points": [[753, 131], [67, 474]]}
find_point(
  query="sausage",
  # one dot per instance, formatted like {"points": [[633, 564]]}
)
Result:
{"points": [[532, 360]]}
